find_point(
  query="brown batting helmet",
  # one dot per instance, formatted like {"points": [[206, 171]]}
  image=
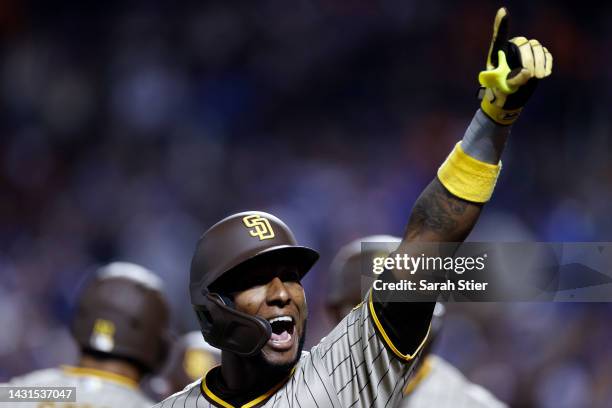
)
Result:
{"points": [[220, 266], [123, 313]]}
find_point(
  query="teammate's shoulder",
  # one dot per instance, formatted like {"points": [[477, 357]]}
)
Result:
{"points": [[38, 377], [478, 395], [191, 390], [483, 397], [441, 367]]}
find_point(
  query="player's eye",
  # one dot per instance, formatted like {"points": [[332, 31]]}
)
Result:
{"points": [[290, 275]]}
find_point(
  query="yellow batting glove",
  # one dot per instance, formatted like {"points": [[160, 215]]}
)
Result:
{"points": [[513, 70]]}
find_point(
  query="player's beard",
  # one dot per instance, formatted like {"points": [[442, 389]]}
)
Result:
{"points": [[280, 369]]}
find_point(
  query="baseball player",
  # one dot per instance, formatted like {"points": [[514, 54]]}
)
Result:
{"points": [[435, 383], [121, 325], [189, 357], [246, 271]]}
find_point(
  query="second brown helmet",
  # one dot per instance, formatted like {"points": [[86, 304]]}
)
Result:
{"points": [[123, 312]]}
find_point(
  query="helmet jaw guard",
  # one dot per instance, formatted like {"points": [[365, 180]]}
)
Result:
{"points": [[228, 329]]}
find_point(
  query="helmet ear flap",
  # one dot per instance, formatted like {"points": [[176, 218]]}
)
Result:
{"points": [[228, 329]]}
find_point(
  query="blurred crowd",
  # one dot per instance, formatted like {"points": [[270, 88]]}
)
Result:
{"points": [[128, 128]]}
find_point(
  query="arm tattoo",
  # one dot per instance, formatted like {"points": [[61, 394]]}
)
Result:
{"points": [[440, 216]]}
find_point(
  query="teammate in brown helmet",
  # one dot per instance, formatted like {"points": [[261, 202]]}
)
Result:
{"points": [[121, 328]]}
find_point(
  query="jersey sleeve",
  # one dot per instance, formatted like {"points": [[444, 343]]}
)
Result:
{"points": [[364, 363]]}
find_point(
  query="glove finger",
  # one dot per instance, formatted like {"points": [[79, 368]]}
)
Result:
{"points": [[500, 36], [500, 25], [549, 62], [518, 41], [520, 79], [527, 58], [538, 59]]}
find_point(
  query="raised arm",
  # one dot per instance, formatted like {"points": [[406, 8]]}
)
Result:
{"points": [[450, 205]]}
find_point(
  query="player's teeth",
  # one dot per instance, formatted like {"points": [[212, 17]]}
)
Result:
{"points": [[281, 319]]}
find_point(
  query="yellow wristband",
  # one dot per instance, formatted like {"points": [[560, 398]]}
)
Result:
{"points": [[468, 178]]}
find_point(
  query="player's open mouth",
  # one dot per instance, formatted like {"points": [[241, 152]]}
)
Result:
{"points": [[283, 328]]}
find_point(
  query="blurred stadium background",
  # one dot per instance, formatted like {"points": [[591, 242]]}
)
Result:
{"points": [[127, 130]]}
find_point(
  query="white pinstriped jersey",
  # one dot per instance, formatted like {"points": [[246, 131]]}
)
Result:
{"points": [[351, 367], [444, 386], [94, 389]]}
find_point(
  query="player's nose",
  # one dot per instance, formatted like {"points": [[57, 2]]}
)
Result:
{"points": [[277, 293]]}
